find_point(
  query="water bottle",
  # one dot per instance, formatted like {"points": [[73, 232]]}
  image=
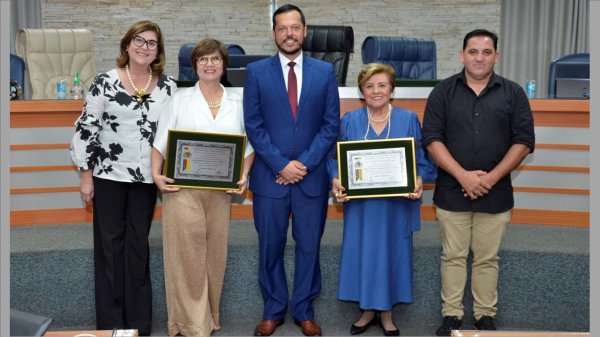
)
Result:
{"points": [[76, 90], [61, 89], [530, 89]]}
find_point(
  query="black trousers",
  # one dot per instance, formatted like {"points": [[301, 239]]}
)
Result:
{"points": [[122, 218]]}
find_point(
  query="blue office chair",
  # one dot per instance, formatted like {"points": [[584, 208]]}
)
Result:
{"points": [[411, 58], [17, 77], [186, 72], [571, 58], [17, 69], [235, 49]]}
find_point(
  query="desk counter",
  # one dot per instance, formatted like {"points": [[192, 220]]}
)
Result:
{"points": [[551, 185]]}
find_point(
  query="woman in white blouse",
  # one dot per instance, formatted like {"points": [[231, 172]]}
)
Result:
{"points": [[196, 222], [112, 149]]}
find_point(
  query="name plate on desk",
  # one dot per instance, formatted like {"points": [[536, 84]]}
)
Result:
{"points": [[204, 160], [377, 168]]}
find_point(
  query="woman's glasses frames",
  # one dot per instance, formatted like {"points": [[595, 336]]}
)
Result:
{"points": [[140, 41], [215, 60]]}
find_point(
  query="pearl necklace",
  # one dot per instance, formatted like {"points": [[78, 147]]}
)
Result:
{"points": [[217, 103], [387, 116], [139, 92], [380, 120]]}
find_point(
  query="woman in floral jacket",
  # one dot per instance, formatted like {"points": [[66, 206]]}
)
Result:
{"points": [[112, 150]]}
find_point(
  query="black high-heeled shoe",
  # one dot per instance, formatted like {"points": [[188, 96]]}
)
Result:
{"points": [[395, 332], [357, 330]]}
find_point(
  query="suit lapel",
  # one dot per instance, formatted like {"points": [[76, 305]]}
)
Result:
{"points": [[279, 84], [307, 75]]}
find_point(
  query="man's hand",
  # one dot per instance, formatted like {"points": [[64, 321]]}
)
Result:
{"points": [[473, 185], [292, 173]]}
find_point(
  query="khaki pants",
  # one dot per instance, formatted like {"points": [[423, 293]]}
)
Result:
{"points": [[482, 233], [195, 228]]}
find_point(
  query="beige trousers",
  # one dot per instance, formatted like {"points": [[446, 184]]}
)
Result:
{"points": [[482, 233], [195, 228]]}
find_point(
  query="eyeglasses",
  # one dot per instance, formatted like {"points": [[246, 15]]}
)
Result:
{"points": [[215, 60], [140, 41]]}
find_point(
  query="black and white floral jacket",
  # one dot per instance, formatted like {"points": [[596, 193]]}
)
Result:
{"points": [[114, 134]]}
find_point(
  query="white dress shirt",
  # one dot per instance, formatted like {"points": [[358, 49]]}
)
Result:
{"points": [[189, 111], [285, 67]]}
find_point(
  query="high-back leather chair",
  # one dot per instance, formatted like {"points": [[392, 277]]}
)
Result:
{"points": [[412, 58], [56, 54], [332, 44], [582, 58]]}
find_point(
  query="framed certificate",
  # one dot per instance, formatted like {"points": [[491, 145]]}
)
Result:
{"points": [[204, 160], [377, 168]]}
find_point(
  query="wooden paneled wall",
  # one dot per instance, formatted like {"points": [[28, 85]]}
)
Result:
{"points": [[551, 186]]}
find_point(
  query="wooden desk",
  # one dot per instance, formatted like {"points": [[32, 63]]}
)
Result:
{"points": [[42, 129], [53, 113], [500, 333]]}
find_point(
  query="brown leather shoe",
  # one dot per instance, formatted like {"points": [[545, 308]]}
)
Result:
{"points": [[309, 328], [266, 327]]}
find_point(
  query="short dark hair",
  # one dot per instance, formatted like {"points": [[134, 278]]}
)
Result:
{"points": [[209, 46], [481, 32], [288, 8]]}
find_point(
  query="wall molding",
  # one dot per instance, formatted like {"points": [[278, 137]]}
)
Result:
{"points": [[244, 212]]}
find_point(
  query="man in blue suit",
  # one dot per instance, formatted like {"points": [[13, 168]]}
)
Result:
{"points": [[291, 113]]}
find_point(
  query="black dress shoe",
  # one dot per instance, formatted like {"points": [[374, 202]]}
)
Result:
{"points": [[357, 330], [394, 332], [485, 323], [448, 324]]}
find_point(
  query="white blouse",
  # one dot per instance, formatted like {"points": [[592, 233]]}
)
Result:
{"points": [[114, 134], [189, 111]]}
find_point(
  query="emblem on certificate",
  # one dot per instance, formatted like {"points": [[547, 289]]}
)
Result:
{"points": [[377, 168], [205, 160]]}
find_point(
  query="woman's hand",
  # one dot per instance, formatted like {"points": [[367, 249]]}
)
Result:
{"points": [[418, 191], [161, 182], [86, 186], [243, 184], [338, 190]]}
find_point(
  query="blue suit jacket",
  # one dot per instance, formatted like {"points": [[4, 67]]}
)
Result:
{"points": [[278, 138]]}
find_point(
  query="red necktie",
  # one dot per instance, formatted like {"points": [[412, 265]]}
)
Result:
{"points": [[292, 89]]}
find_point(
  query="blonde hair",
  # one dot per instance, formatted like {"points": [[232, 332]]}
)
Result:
{"points": [[376, 68]]}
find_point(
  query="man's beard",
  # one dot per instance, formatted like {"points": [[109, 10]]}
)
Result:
{"points": [[285, 52]]}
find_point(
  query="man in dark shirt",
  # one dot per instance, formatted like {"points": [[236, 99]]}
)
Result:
{"points": [[477, 127]]}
